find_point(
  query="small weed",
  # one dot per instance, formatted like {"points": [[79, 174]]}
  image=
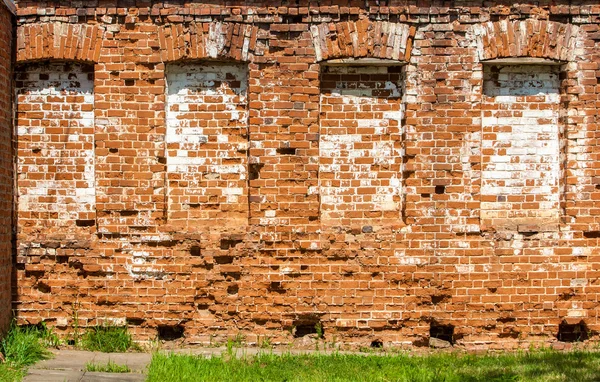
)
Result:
{"points": [[109, 367], [48, 337], [265, 343], [108, 339], [319, 330], [76, 332], [239, 340]]}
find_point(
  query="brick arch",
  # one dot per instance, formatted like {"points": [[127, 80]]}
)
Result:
{"points": [[526, 38], [60, 41], [363, 39], [198, 40]]}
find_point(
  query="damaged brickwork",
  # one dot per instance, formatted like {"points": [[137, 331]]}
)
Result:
{"points": [[396, 173]]}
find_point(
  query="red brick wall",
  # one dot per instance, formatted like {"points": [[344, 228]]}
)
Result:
{"points": [[6, 165], [226, 216]]}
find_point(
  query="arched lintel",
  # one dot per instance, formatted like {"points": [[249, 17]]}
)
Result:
{"points": [[59, 41], [526, 38], [362, 38]]}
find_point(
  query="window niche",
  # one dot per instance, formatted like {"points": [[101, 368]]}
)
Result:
{"points": [[361, 145], [207, 144], [522, 145]]}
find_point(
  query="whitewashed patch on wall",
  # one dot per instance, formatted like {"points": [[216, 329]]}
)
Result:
{"points": [[521, 147], [207, 143], [360, 147], [55, 135]]}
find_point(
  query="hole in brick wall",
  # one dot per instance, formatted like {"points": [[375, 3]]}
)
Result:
{"points": [[591, 234], [170, 332], [286, 151], [229, 243], [233, 289], [509, 333], [128, 213], [224, 259], [276, 287], [439, 298], [85, 222], [202, 306], [36, 150], [195, 250], [105, 301], [62, 259], [129, 82], [505, 320], [440, 189], [43, 287], [442, 332], [567, 295], [426, 195], [134, 321], [572, 332], [306, 329], [293, 19], [254, 170], [308, 325], [377, 344], [232, 275], [113, 150]]}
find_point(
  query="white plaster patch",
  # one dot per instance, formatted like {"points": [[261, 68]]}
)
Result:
{"points": [[55, 107], [360, 147], [520, 145], [206, 138]]}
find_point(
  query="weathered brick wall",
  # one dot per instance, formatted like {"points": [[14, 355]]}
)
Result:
{"points": [[6, 163], [250, 176]]}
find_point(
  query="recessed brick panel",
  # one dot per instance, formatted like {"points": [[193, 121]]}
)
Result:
{"points": [[521, 147], [360, 148], [207, 144], [55, 135]]}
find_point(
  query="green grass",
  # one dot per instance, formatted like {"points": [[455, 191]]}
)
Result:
{"points": [[22, 347], [107, 339], [545, 365], [109, 367]]}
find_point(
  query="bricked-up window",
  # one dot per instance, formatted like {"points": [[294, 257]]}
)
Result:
{"points": [[521, 147], [55, 134], [207, 144], [360, 148]]}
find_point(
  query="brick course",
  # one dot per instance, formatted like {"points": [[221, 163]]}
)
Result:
{"points": [[218, 208]]}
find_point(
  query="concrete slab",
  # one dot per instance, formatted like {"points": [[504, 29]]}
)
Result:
{"points": [[37, 375], [76, 360], [67, 360]]}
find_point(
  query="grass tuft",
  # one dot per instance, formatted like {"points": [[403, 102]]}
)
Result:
{"points": [[109, 367], [108, 339], [23, 346]]}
